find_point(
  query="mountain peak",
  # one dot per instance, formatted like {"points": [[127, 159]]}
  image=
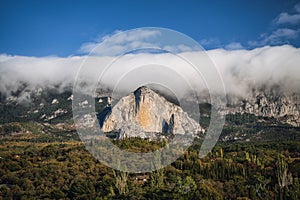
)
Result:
{"points": [[144, 113], [142, 91]]}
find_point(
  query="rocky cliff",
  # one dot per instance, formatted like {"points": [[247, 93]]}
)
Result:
{"points": [[144, 113], [269, 103]]}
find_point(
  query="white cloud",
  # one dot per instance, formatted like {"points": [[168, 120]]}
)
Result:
{"points": [[285, 28], [34, 71], [261, 66], [240, 69], [123, 42], [285, 18], [234, 46], [277, 37], [283, 33], [119, 42], [211, 42], [179, 48]]}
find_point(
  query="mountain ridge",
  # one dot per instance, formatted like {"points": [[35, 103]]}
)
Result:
{"points": [[284, 107]]}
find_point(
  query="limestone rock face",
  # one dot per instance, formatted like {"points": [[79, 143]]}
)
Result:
{"points": [[269, 103], [144, 112]]}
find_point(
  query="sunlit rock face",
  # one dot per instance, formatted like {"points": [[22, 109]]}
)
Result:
{"points": [[144, 113]]}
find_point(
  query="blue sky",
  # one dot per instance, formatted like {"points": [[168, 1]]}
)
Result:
{"points": [[43, 28]]}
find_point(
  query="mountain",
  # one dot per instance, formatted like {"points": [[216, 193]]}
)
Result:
{"points": [[42, 104], [261, 113], [271, 103], [39, 105], [144, 114]]}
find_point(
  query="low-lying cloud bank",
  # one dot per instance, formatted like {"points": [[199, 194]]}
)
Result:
{"points": [[240, 70]]}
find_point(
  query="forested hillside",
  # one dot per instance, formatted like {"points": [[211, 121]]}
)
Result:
{"points": [[36, 166]]}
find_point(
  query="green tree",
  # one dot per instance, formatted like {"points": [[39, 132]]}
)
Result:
{"points": [[121, 179], [283, 177], [185, 188], [157, 176], [82, 189]]}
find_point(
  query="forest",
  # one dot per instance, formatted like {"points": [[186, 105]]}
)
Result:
{"points": [[43, 166]]}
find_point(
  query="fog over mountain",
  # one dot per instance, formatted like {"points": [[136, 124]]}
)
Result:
{"points": [[241, 70]]}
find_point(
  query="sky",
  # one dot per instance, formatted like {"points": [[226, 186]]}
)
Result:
{"points": [[60, 28], [251, 43]]}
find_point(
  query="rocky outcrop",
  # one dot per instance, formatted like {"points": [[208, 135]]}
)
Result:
{"points": [[145, 113], [270, 103]]}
